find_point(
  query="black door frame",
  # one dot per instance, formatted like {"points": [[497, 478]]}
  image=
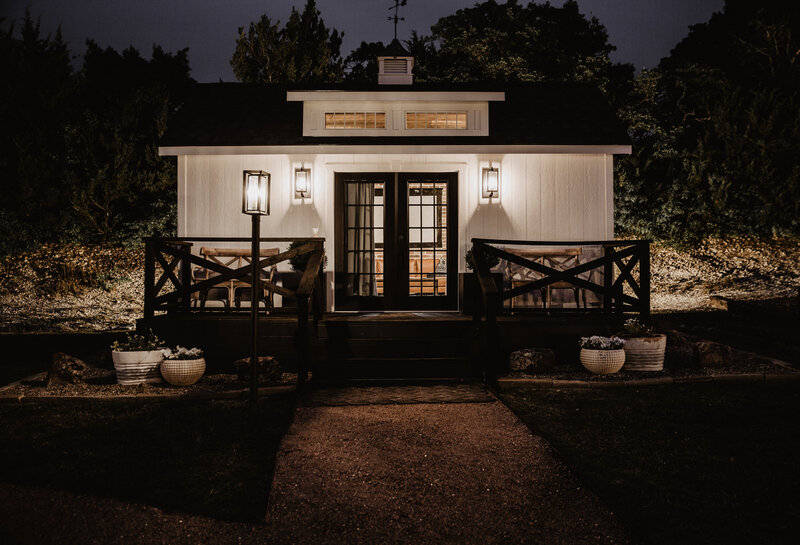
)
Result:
{"points": [[396, 274]]}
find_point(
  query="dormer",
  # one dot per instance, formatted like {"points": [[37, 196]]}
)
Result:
{"points": [[395, 66]]}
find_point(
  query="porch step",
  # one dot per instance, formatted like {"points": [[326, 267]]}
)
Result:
{"points": [[393, 368], [394, 348]]}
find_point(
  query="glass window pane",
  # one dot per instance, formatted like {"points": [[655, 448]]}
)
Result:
{"points": [[380, 120]]}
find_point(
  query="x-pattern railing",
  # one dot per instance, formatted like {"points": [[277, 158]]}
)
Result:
{"points": [[618, 263], [175, 260]]}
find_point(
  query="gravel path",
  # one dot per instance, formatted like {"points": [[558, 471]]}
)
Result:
{"points": [[427, 473]]}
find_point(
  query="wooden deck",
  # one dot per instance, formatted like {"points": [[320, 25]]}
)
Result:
{"points": [[391, 345], [413, 344]]}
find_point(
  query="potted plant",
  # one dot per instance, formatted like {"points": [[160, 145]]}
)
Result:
{"points": [[602, 355], [183, 366], [137, 358], [644, 349]]}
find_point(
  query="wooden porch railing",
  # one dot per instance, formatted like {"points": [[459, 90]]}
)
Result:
{"points": [[168, 284], [621, 291]]}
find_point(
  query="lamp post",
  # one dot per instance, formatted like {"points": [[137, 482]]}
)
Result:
{"points": [[255, 201]]}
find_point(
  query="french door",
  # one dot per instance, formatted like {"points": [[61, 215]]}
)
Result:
{"points": [[396, 239]]}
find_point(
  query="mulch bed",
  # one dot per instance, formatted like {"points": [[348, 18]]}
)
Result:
{"points": [[101, 382], [678, 364]]}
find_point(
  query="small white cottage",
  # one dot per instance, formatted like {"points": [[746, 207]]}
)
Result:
{"points": [[399, 177]]}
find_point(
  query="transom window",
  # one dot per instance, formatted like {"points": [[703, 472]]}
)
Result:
{"points": [[436, 120], [355, 120]]}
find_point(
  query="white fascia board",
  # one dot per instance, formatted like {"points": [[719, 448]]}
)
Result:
{"points": [[389, 149], [405, 96]]}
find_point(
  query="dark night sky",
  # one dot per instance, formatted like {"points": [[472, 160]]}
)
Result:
{"points": [[643, 30]]}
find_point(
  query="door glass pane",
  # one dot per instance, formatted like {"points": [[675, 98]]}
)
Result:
{"points": [[364, 208], [427, 244]]}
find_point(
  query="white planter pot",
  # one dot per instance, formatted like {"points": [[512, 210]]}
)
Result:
{"points": [[602, 362], [645, 353], [137, 366], [183, 372]]}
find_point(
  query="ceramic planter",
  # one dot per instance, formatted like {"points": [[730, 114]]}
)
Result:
{"points": [[183, 372], [137, 366], [645, 353], [602, 362]]}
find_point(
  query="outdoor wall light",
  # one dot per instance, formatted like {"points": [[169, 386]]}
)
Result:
{"points": [[490, 182], [255, 193], [302, 183]]}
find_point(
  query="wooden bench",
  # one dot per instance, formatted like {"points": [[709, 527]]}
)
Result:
{"points": [[234, 290], [556, 258]]}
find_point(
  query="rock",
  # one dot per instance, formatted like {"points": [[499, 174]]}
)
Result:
{"points": [[269, 369], [65, 369], [532, 360], [711, 354]]}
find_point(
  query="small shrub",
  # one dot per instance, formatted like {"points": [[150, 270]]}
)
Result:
{"points": [[491, 260], [138, 341], [299, 262], [596, 342], [636, 328]]}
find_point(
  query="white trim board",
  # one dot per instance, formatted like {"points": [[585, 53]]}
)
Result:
{"points": [[405, 96], [405, 149]]}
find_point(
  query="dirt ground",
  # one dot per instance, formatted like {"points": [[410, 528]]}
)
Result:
{"points": [[78, 296], [450, 473], [468, 473]]}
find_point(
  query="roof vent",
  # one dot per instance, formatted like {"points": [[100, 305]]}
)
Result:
{"points": [[395, 65]]}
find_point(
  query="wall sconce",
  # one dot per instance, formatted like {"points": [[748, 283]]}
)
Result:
{"points": [[255, 193], [490, 182], [302, 183]]}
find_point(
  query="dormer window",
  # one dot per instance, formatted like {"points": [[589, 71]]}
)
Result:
{"points": [[355, 120], [436, 120], [395, 112]]}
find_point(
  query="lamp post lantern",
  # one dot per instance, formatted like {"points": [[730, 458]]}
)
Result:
{"points": [[255, 201]]}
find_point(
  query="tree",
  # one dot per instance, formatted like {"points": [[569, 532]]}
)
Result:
{"points": [[36, 103], [715, 131], [305, 50], [117, 179], [509, 42]]}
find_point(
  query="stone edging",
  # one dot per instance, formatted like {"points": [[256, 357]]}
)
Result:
{"points": [[503, 383]]}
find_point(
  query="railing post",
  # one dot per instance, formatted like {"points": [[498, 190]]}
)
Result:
{"points": [[302, 340], [644, 279], [492, 334], [149, 277], [608, 280], [186, 278]]}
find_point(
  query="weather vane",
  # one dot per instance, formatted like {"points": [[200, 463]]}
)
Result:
{"points": [[397, 5]]}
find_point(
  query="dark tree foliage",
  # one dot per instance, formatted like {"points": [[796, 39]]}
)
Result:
{"points": [[79, 159], [36, 94], [512, 42], [507, 43], [716, 130], [118, 180], [304, 50]]}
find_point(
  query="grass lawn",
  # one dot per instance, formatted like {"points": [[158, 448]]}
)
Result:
{"points": [[212, 458], [701, 463]]}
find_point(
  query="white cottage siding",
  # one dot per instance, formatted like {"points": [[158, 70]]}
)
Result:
{"points": [[543, 196]]}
